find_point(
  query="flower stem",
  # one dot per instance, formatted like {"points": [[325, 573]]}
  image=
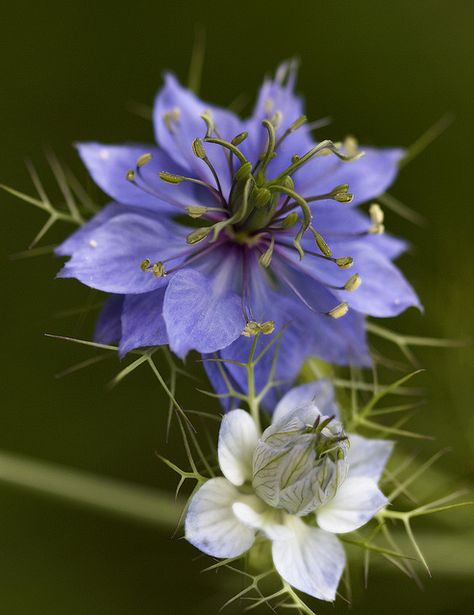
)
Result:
{"points": [[252, 398]]}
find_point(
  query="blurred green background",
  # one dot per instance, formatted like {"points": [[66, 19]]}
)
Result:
{"points": [[73, 71]]}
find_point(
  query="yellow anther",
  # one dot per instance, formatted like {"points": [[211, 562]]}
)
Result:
{"points": [[353, 282], [339, 311], [143, 160]]}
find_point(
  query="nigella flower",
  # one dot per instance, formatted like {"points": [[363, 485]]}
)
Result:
{"points": [[299, 484], [231, 227]]}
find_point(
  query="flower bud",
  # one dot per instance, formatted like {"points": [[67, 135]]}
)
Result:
{"points": [[297, 467]]}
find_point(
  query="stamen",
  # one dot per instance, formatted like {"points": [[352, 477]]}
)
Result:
{"points": [[377, 218], [239, 138], [326, 145], [200, 153], [306, 214], [170, 178], [198, 235], [197, 211], [344, 262], [209, 121], [143, 160], [292, 128], [253, 328], [339, 311], [353, 283], [266, 258], [171, 118], [158, 269], [276, 119], [320, 242], [227, 145]]}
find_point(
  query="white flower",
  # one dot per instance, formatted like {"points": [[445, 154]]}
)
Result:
{"points": [[225, 514]]}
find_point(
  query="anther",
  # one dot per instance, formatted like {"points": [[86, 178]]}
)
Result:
{"points": [[145, 264], [196, 211], [298, 123], [170, 178], [143, 160], [266, 258], [353, 282], [339, 311], [158, 270], [320, 242], [344, 262], [276, 119], [198, 235], [171, 118], [209, 121], [267, 327], [130, 175], [253, 328], [198, 149], [341, 194], [239, 138], [377, 218]]}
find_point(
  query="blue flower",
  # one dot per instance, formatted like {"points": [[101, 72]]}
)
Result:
{"points": [[231, 227]]}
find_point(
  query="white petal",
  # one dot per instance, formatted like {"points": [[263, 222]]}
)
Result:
{"points": [[312, 560], [212, 526], [368, 457], [356, 502], [310, 398], [238, 438], [254, 513]]}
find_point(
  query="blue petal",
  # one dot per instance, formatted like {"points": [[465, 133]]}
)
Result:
{"points": [[201, 313], [110, 258], [277, 96], [108, 328], [383, 292], [142, 321], [80, 237], [368, 177], [177, 138], [108, 166]]}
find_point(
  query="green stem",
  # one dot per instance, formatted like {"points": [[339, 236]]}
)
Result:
{"points": [[109, 495], [252, 398]]}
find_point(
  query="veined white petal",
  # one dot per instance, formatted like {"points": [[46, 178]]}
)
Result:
{"points": [[356, 501], [238, 438], [310, 560], [312, 398], [367, 458], [211, 524]]}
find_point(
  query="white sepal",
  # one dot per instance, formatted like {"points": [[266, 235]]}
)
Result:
{"points": [[312, 398], [238, 438], [256, 514], [367, 458], [310, 560], [211, 524], [356, 501]]}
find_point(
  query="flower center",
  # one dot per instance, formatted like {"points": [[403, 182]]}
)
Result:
{"points": [[259, 212]]}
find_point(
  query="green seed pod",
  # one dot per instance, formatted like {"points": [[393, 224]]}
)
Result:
{"points": [[297, 467]]}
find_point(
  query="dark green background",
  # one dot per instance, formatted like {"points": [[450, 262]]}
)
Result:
{"points": [[385, 71]]}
